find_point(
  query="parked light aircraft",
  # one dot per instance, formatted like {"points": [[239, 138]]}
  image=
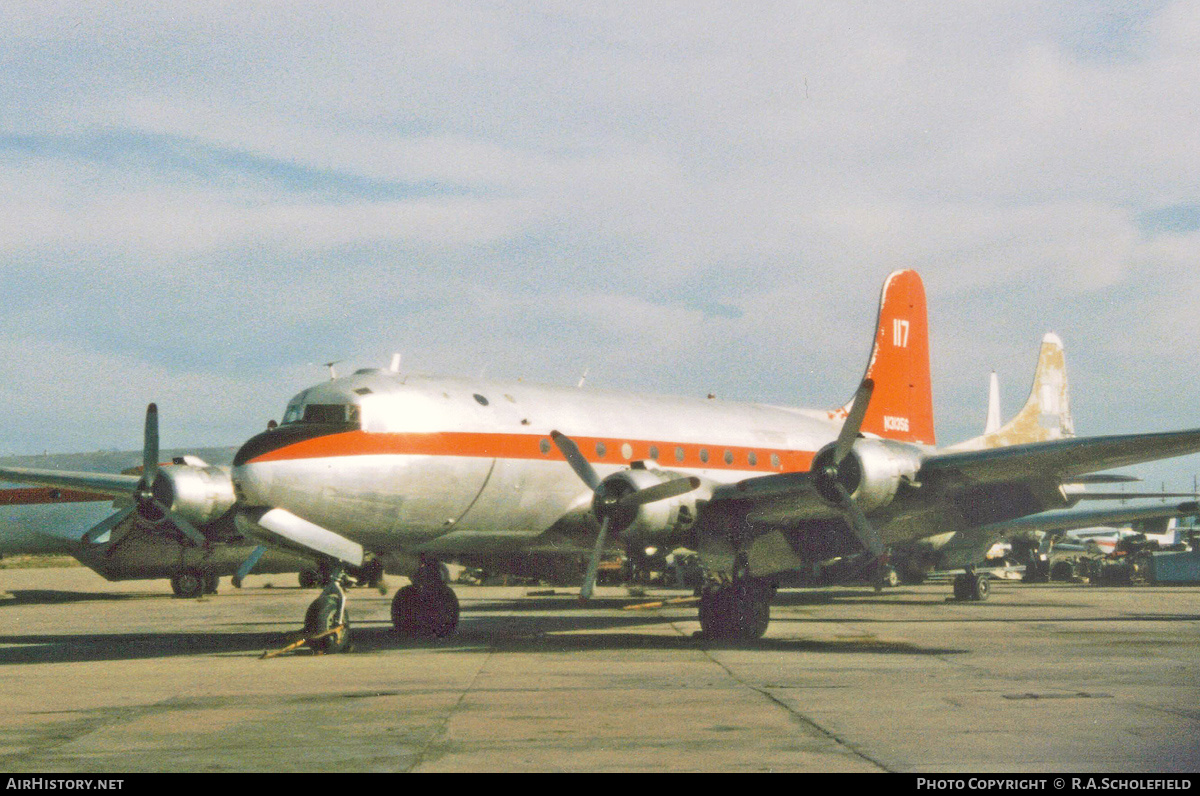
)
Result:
{"points": [[410, 469]]}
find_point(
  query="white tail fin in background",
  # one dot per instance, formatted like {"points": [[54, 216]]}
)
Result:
{"points": [[993, 416], [1047, 413]]}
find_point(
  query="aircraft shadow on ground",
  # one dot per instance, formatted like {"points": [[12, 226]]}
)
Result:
{"points": [[565, 636], [88, 647], [51, 597]]}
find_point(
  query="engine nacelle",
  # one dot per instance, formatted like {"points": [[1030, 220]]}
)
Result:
{"points": [[198, 494], [663, 523], [872, 472]]}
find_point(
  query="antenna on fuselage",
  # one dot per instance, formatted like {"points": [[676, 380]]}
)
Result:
{"points": [[332, 372], [582, 379], [395, 366]]}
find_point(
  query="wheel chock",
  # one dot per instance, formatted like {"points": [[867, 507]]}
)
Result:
{"points": [[300, 642]]}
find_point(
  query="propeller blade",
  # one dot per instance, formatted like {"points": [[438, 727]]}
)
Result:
{"points": [[580, 465], [248, 565], [854, 420], [184, 527], [863, 530], [589, 580], [651, 494], [106, 525], [150, 446]]}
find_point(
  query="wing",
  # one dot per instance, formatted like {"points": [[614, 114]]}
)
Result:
{"points": [[112, 484], [1059, 460]]}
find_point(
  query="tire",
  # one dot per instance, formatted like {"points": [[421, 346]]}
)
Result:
{"points": [[321, 616], [309, 579], [962, 587], [980, 587], [1062, 571], [188, 584], [740, 612], [425, 613], [715, 611], [211, 582], [751, 612]]}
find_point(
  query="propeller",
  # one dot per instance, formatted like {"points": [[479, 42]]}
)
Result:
{"points": [[613, 502], [145, 501], [830, 483]]}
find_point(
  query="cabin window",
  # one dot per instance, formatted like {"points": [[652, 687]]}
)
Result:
{"points": [[729, 457], [704, 455], [481, 400], [654, 452], [752, 457], [775, 460], [679, 454], [601, 449], [544, 445], [627, 450]]}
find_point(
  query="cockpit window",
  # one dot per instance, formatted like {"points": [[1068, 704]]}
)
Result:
{"points": [[341, 414], [293, 414], [331, 413]]}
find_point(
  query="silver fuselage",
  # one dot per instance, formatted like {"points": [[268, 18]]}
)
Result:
{"points": [[448, 466]]}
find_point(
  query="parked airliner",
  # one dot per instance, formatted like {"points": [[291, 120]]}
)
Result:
{"points": [[411, 470]]}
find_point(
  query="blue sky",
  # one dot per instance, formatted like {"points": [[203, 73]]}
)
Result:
{"points": [[198, 200]]}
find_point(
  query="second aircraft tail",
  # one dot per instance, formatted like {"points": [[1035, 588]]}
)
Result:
{"points": [[1046, 414]]}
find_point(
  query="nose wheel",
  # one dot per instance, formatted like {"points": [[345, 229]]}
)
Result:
{"points": [[327, 622]]}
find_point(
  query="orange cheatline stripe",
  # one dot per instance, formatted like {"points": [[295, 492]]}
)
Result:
{"points": [[530, 446], [30, 496]]}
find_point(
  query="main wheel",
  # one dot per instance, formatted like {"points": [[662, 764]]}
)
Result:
{"points": [[741, 612], [322, 616], [715, 610], [188, 584], [980, 587], [425, 613], [211, 582], [309, 579], [1062, 571]]}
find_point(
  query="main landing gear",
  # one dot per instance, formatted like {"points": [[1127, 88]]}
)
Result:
{"points": [[972, 586], [428, 608], [737, 610], [188, 584]]}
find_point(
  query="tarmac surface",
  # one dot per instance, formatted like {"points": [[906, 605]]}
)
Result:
{"points": [[120, 677]]}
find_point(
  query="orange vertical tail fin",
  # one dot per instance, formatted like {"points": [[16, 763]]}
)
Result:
{"points": [[902, 405]]}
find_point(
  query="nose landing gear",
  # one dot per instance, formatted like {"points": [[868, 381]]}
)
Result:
{"points": [[327, 622]]}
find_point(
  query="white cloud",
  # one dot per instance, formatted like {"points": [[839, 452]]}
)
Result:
{"points": [[473, 181]]}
